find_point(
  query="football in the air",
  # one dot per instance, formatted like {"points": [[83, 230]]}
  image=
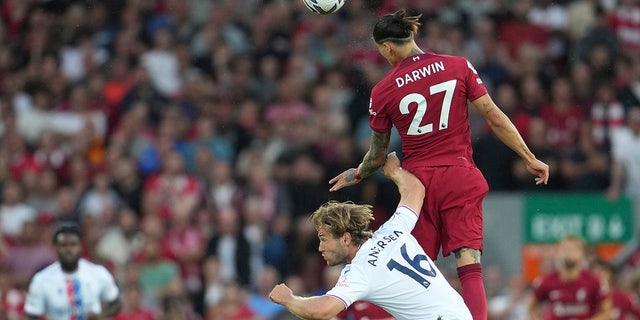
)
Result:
{"points": [[323, 7]]}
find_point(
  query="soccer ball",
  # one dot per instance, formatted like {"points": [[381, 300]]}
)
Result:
{"points": [[323, 7]]}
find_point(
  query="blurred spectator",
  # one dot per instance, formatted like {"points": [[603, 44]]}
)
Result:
{"points": [[562, 116], [14, 212], [132, 306], [539, 144], [43, 196], [233, 305], [223, 189], [184, 243], [36, 116], [585, 166], [66, 205], [598, 34], [176, 304], [306, 185], [127, 183], [29, 254], [125, 235], [624, 22], [258, 300], [12, 298], [156, 272], [519, 31], [625, 173], [571, 290], [582, 81], [162, 64], [532, 98], [171, 189], [100, 201], [623, 304], [213, 291], [230, 245], [51, 152], [629, 94], [512, 303]]}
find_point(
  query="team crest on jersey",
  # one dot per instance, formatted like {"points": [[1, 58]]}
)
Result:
{"points": [[342, 281]]}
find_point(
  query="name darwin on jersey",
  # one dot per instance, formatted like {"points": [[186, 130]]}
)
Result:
{"points": [[418, 74], [380, 245]]}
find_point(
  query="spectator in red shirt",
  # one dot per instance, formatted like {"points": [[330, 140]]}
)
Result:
{"points": [[133, 308], [624, 307], [571, 291], [562, 116], [172, 188]]}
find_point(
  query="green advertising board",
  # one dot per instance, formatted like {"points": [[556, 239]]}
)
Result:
{"points": [[549, 217]]}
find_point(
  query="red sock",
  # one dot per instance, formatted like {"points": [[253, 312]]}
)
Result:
{"points": [[473, 290]]}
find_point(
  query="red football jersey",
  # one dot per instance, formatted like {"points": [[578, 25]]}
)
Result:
{"points": [[575, 299], [425, 98], [623, 305]]}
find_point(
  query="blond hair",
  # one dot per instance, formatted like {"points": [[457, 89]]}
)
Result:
{"points": [[341, 217]]}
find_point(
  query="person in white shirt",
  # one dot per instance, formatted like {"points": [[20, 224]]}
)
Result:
{"points": [[625, 152], [386, 267], [72, 288]]}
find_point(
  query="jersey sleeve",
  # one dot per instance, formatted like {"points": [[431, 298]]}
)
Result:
{"points": [[379, 120], [403, 219], [109, 290], [35, 302], [475, 86], [351, 286]]}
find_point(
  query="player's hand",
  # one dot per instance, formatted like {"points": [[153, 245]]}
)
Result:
{"points": [[391, 166], [280, 294], [540, 170], [345, 179]]}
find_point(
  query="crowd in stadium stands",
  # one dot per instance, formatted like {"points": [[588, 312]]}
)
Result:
{"points": [[192, 139]]}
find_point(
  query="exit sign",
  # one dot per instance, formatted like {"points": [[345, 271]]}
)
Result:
{"points": [[549, 217]]}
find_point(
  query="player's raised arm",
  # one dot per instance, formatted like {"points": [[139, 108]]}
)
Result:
{"points": [[411, 189], [373, 159], [509, 135]]}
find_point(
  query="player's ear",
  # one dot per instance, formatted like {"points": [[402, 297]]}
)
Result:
{"points": [[346, 238], [388, 48]]}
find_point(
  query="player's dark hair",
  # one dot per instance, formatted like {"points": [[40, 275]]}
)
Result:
{"points": [[343, 217], [396, 27], [66, 229]]}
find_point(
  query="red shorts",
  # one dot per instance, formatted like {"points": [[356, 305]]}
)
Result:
{"points": [[451, 215]]}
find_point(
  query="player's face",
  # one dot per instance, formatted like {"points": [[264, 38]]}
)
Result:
{"points": [[333, 249], [571, 253], [68, 248]]}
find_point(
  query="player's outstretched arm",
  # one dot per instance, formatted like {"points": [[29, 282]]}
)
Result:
{"points": [[317, 307], [373, 159], [411, 189], [509, 135]]}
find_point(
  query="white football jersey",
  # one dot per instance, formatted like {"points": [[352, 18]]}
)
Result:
{"points": [[64, 296], [393, 271]]}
